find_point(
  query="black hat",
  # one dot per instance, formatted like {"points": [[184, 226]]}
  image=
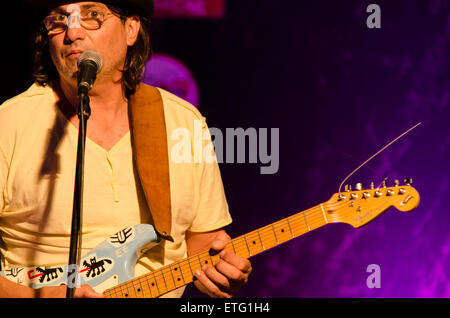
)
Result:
{"points": [[143, 8]]}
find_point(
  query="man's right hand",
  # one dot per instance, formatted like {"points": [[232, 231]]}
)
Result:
{"points": [[9, 289], [84, 291]]}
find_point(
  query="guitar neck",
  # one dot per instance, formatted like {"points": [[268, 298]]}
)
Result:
{"points": [[181, 273]]}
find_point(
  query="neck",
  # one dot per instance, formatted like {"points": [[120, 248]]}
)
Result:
{"points": [[107, 100]]}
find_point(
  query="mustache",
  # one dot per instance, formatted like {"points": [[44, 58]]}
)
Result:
{"points": [[73, 49]]}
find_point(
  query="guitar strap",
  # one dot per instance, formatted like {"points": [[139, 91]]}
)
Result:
{"points": [[150, 152]]}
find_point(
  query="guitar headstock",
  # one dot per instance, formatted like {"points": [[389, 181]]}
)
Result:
{"points": [[361, 206]]}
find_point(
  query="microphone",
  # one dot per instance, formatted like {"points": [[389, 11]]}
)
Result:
{"points": [[90, 63]]}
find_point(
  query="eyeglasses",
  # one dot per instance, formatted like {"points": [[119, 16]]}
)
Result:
{"points": [[91, 19]]}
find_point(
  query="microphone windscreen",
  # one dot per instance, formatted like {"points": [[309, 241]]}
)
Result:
{"points": [[92, 56]]}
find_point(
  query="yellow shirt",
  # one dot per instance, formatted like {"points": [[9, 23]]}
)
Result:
{"points": [[37, 167]]}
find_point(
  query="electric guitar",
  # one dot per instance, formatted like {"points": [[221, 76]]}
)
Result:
{"points": [[109, 268]]}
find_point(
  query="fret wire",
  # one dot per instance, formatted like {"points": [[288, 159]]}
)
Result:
{"points": [[246, 243], [232, 244], [127, 290], [199, 260], [134, 287], [262, 244], [121, 290], [173, 277], [211, 259], [254, 235], [206, 254], [149, 286], [304, 215], [190, 267], [323, 212], [142, 288], [290, 229], [275, 232], [181, 272], [156, 283], [164, 278], [240, 242]]}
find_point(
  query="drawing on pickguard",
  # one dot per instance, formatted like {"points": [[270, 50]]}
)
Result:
{"points": [[13, 271], [96, 267], [122, 237], [49, 273]]}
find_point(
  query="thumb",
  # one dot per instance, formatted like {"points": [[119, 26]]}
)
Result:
{"points": [[220, 241], [86, 291]]}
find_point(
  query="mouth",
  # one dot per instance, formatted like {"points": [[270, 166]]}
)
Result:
{"points": [[74, 54]]}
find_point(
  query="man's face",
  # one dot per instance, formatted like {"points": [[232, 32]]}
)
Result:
{"points": [[111, 40]]}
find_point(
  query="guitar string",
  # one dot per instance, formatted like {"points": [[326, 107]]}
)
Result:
{"points": [[160, 271], [241, 251], [265, 229], [376, 154], [264, 232]]}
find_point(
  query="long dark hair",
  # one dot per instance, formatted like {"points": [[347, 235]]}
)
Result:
{"points": [[44, 71]]}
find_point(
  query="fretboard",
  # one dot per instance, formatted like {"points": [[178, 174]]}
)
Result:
{"points": [[181, 273]]}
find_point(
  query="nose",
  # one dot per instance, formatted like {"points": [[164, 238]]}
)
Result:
{"points": [[74, 31]]}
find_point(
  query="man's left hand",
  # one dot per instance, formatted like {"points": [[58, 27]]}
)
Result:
{"points": [[229, 273]]}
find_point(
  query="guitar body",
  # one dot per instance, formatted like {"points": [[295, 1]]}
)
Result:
{"points": [[109, 264]]}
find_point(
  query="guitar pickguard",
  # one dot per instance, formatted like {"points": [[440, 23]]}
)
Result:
{"points": [[110, 263]]}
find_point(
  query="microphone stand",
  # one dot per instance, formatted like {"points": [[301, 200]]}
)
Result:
{"points": [[84, 112]]}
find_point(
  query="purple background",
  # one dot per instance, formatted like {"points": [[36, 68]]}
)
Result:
{"points": [[338, 91]]}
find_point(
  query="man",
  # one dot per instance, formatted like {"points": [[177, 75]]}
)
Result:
{"points": [[39, 129]]}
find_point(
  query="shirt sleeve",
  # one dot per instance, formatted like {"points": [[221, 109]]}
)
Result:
{"points": [[212, 207]]}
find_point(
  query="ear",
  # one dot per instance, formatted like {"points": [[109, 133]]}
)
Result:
{"points": [[132, 26]]}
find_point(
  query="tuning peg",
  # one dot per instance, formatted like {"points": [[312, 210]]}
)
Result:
{"points": [[408, 181], [359, 186], [372, 185], [378, 194], [348, 188], [383, 184], [396, 183]]}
